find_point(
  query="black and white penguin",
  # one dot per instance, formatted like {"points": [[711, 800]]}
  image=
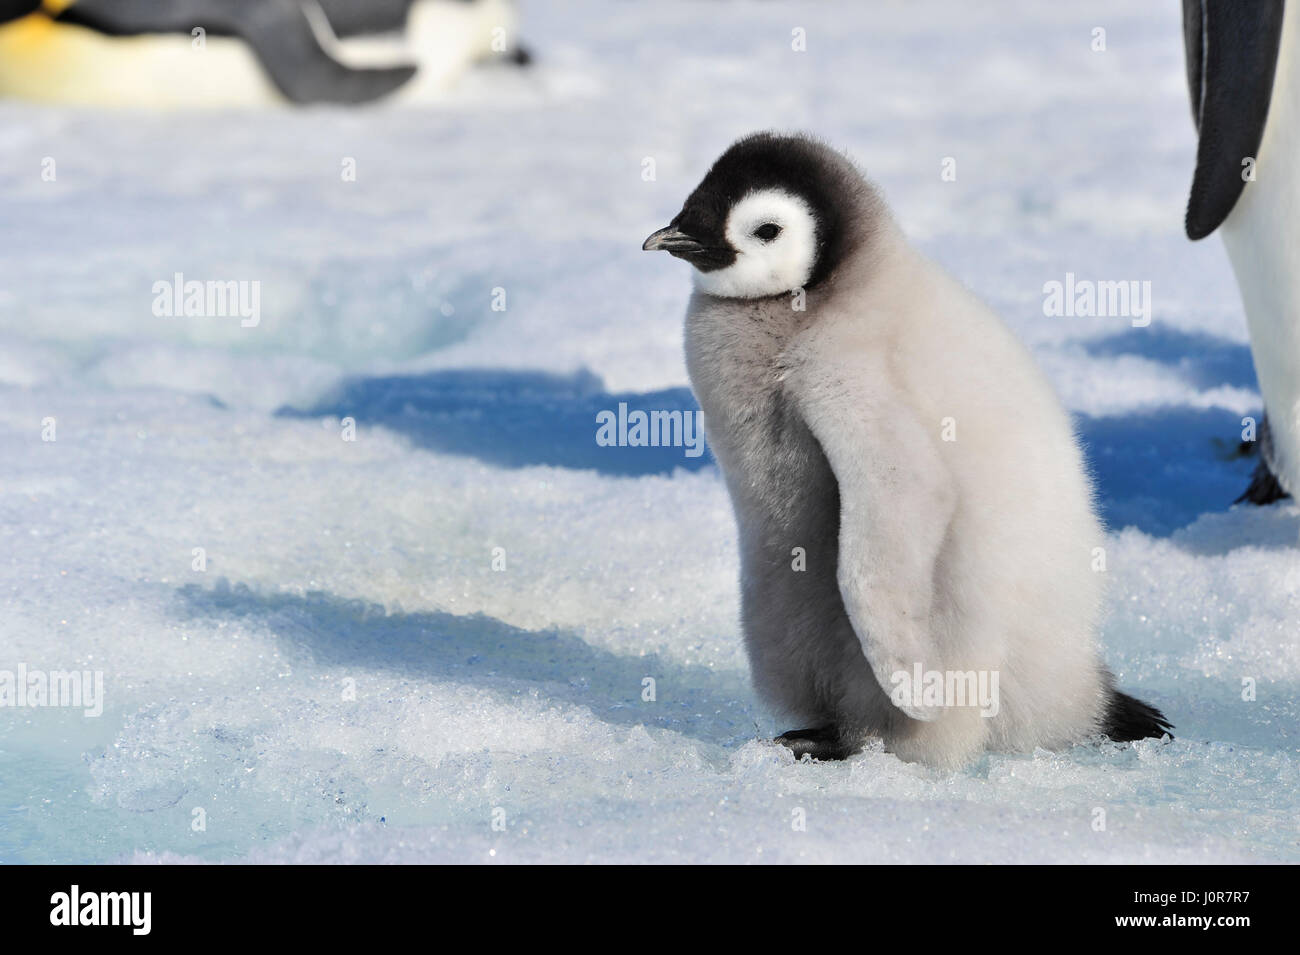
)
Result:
{"points": [[912, 504], [224, 53], [1243, 74]]}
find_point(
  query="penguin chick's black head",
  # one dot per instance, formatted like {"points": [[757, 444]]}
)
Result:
{"points": [[768, 217]]}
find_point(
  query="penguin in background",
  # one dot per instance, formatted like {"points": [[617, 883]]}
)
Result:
{"points": [[1243, 76], [875, 421], [233, 53]]}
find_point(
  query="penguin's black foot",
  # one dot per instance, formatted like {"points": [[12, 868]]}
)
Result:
{"points": [[821, 743], [1264, 487]]}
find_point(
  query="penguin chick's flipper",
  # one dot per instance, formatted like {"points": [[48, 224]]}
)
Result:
{"points": [[894, 511], [289, 38], [821, 743], [1128, 719]]}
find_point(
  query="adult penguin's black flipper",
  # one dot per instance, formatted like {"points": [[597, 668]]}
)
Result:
{"points": [[286, 35], [1232, 50], [351, 18], [287, 44]]}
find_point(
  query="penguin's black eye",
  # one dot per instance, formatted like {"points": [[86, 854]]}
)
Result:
{"points": [[767, 231]]}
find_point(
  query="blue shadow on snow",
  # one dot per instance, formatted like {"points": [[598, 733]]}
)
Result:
{"points": [[1155, 470], [1203, 361], [500, 660], [510, 418], [1160, 470]]}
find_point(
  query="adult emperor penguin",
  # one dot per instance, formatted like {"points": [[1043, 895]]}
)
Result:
{"points": [[915, 518], [1243, 74], [223, 53]]}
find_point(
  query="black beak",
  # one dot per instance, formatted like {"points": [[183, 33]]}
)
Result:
{"points": [[672, 240]]}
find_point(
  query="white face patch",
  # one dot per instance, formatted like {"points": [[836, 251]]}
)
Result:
{"points": [[774, 234]]}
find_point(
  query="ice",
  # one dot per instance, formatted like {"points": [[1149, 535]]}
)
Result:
{"points": [[350, 679]]}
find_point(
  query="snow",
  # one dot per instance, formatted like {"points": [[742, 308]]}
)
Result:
{"points": [[350, 679]]}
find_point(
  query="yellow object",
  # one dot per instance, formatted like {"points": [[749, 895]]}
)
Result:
{"points": [[51, 62], [48, 61]]}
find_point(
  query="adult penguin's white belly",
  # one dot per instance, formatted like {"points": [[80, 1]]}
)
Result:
{"points": [[54, 61], [51, 62], [1262, 236]]}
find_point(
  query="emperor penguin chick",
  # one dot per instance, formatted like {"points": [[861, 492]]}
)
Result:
{"points": [[917, 533]]}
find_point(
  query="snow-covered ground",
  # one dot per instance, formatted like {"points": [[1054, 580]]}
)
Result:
{"points": [[350, 679]]}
